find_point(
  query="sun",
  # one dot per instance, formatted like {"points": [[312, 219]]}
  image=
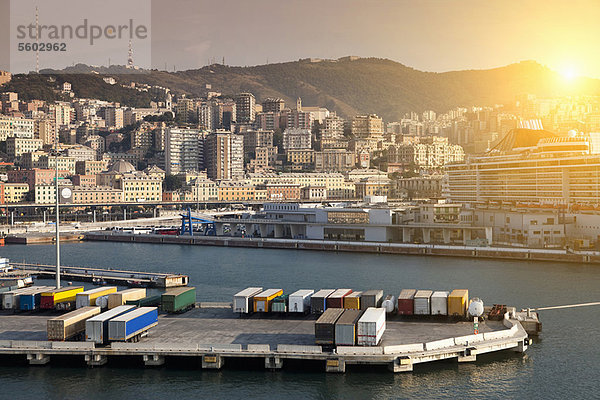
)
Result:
{"points": [[569, 73]]}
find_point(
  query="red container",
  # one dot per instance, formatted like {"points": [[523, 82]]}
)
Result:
{"points": [[336, 299], [47, 302], [406, 300]]}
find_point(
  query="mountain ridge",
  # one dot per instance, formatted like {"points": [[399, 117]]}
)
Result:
{"points": [[366, 85]]}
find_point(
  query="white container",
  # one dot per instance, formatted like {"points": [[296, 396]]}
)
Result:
{"points": [[439, 303], [243, 301], [423, 302], [96, 328], [102, 302], [299, 301], [371, 327]]}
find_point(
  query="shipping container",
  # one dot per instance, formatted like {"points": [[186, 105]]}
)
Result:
{"points": [[325, 326], [96, 328], [279, 303], [102, 302], [178, 300], [299, 301], [243, 302], [406, 304], [439, 303], [119, 298], [52, 298], [371, 298], [371, 327], [150, 301], [262, 301], [345, 328], [88, 297], [130, 326], [31, 300], [352, 301], [458, 303], [318, 301], [389, 304], [336, 299], [11, 300], [70, 325], [423, 302]]}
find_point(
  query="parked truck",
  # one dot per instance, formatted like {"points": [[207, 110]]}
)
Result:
{"points": [[61, 299], [70, 325], [88, 297], [96, 328], [131, 326], [178, 300]]}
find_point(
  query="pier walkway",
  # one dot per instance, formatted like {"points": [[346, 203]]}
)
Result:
{"points": [[114, 276]]}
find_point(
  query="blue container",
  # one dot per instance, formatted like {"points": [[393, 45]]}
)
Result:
{"points": [[29, 302], [126, 326]]}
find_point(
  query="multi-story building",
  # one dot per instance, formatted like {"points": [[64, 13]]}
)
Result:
{"points": [[297, 139], [273, 105], [15, 147], [425, 152], [82, 153], [235, 191], [224, 156], [281, 191], [184, 150], [373, 186], [114, 117], [257, 138], [92, 194], [244, 105], [203, 189], [301, 157], [334, 160], [32, 177], [334, 182], [530, 166], [333, 128], [45, 130], [90, 167], [185, 109], [16, 127], [264, 159], [84, 180], [367, 126], [13, 192], [49, 162]]}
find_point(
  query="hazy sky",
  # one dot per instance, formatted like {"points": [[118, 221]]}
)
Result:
{"points": [[432, 35]]}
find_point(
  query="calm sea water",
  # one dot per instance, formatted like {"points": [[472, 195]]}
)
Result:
{"points": [[564, 363]]}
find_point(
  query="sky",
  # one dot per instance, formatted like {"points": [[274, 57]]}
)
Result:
{"points": [[429, 35]]}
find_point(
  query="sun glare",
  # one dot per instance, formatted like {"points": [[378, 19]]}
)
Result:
{"points": [[569, 73]]}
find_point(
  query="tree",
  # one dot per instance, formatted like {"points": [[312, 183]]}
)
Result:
{"points": [[173, 182]]}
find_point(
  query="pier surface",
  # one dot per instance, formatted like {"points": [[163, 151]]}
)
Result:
{"points": [[216, 334]]}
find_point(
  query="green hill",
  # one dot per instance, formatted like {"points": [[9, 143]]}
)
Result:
{"points": [[350, 87]]}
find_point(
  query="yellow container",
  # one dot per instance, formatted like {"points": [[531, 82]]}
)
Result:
{"points": [[88, 298], [458, 302], [64, 294], [262, 301], [352, 301]]}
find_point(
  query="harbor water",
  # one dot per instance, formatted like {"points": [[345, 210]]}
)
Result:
{"points": [[563, 363]]}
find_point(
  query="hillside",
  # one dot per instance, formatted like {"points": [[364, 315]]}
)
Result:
{"points": [[367, 85]]}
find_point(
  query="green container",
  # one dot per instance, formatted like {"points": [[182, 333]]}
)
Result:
{"points": [[150, 301], [279, 304], [178, 299]]}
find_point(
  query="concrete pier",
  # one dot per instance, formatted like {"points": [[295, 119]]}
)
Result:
{"points": [[445, 250], [214, 335]]}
